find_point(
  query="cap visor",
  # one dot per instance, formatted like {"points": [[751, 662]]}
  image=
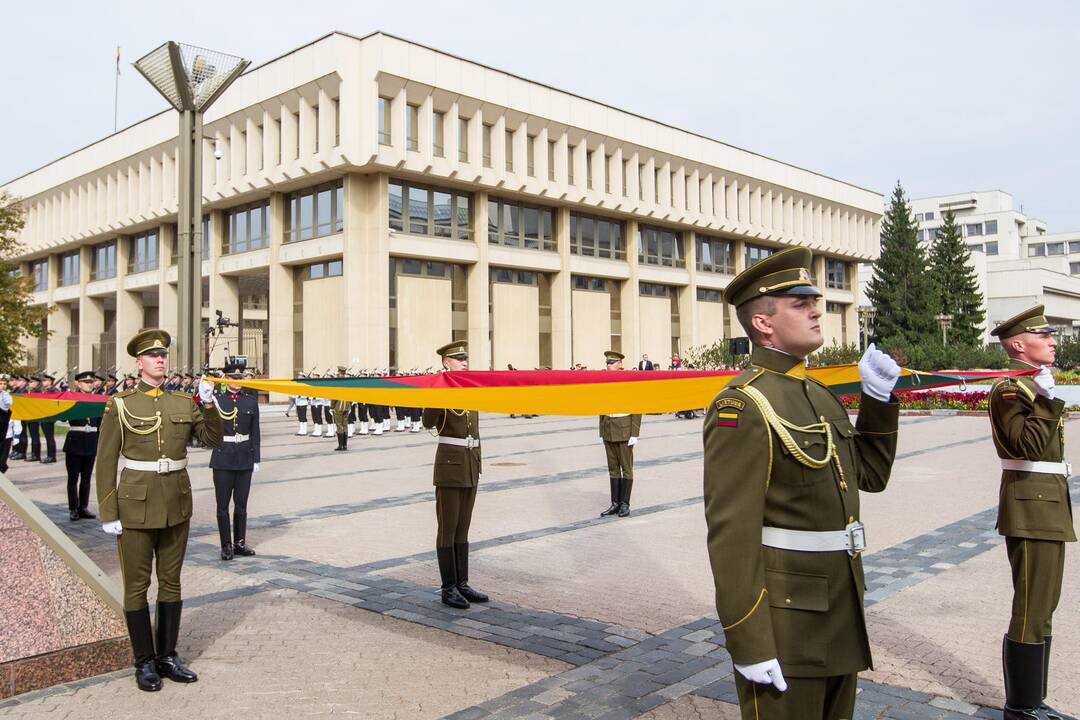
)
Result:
{"points": [[798, 290]]}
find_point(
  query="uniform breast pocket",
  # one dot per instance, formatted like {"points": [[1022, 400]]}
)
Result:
{"points": [[798, 602], [448, 456], [131, 504], [798, 473], [1037, 504]]}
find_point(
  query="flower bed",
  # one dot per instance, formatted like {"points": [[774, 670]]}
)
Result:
{"points": [[937, 400]]}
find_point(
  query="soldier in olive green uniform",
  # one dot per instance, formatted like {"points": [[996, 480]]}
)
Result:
{"points": [[620, 434], [341, 415], [1035, 510], [150, 508], [783, 471], [456, 477]]}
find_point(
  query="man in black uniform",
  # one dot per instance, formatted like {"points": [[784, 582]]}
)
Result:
{"points": [[234, 462], [80, 450], [17, 386], [32, 428]]}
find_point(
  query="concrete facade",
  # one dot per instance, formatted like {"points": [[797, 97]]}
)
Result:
{"points": [[375, 198], [1016, 262]]}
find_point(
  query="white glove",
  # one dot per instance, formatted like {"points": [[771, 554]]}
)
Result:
{"points": [[206, 392], [1044, 382], [878, 373], [632, 442], [255, 468], [764, 673], [113, 528]]}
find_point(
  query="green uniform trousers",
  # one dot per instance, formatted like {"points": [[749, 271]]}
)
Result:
{"points": [[453, 508], [1037, 567], [341, 421], [819, 698], [137, 550], [620, 459]]}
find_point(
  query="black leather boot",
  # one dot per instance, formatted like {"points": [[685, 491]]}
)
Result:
{"points": [[616, 491], [84, 513], [624, 497], [240, 534], [461, 556], [1022, 665], [169, 664], [448, 574], [142, 645], [342, 441], [225, 535], [1051, 713]]}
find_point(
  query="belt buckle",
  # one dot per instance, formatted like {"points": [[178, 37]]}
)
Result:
{"points": [[856, 532], [471, 442], [163, 466]]}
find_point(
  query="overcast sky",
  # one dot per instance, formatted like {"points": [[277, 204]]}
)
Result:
{"points": [[943, 96]]}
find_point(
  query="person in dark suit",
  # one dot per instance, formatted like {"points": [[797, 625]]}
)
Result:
{"points": [[233, 464], [80, 451], [646, 363]]}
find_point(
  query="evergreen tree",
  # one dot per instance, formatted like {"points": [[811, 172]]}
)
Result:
{"points": [[901, 290], [18, 318], [955, 285]]}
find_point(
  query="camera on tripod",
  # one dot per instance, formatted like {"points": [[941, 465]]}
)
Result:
{"points": [[222, 322]]}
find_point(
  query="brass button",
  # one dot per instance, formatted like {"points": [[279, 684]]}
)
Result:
{"points": [[806, 443], [787, 601], [1039, 496]]}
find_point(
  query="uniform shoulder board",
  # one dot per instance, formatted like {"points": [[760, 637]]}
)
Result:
{"points": [[125, 393], [746, 377], [181, 393]]}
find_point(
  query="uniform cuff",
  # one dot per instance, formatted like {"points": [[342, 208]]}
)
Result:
{"points": [[878, 417]]}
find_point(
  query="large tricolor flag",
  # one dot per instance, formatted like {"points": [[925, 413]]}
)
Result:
{"points": [[541, 392]]}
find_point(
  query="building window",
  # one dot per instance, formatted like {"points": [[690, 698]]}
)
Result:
{"points": [[837, 275], [487, 145], [596, 237], [715, 255], [1055, 248], [756, 253], [247, 228], [438, 119], [1036, 250], [594, 284], [103, 266], [551, 160], [660, 247], [69, 269], [1074, 246], [314, 212], [419, 210], [710, 295], [918, 217], [412, 127], [973, 229], [1074, 268], [510, 276], [384, 121], [975, 247], [530, 155], [317, 271], [463, 140], [921, 235], [991, 227], [520, 226], [39, 272], [929, 215], [509, 150], [144, 253], [992, 248], [653, 290]]}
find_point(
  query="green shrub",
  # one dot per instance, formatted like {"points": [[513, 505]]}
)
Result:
{"points": [[835, 354]]}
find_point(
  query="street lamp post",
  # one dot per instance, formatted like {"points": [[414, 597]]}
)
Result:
{"points": [[946, 322], [867, 313], [191, 79]]}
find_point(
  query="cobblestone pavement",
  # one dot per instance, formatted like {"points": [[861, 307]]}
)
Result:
{"points": [[590, 617]]}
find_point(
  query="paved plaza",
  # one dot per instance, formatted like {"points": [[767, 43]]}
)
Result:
{"points": [[590, 618]]}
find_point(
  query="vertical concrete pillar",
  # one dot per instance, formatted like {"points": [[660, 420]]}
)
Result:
{"points": [[224, 295], [91, 313], [365, 271], [630, 298], [281, 300], [129, 306], [688, 305], [167, 293], [479, 289], [562, 286]]}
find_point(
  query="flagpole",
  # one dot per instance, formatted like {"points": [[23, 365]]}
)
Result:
{"points": [[116, 91]]}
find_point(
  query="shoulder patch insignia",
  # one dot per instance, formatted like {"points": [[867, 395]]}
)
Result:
{"points": [[727, 419], [729, 402]]}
